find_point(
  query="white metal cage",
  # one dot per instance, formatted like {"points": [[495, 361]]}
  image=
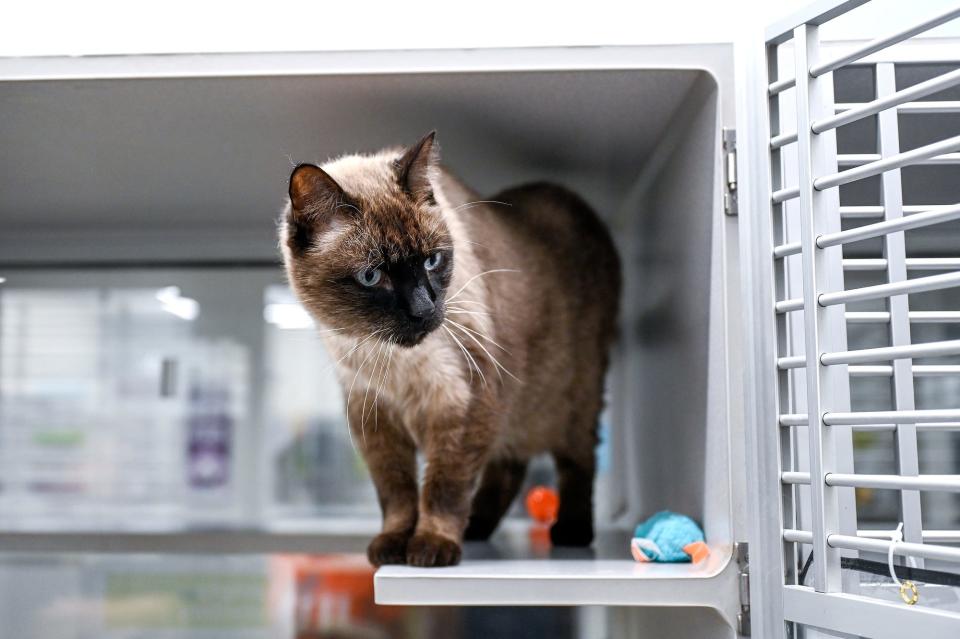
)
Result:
{"points": [[799, 238]]}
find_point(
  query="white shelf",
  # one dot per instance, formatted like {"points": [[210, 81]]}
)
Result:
{"points": [[564, 578], [552, 582]]}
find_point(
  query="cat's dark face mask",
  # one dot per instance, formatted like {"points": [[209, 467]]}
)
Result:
{"points": [[397, 298], [407, 295]]}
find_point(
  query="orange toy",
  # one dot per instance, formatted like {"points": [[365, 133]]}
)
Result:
{"points": [[542, 504]]}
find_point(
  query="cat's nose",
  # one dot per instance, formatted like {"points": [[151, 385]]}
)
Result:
{"points": [[421, 306]]}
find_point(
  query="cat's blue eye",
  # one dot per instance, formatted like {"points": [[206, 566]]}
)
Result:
{"points": [[368, 276], [433, 261]]}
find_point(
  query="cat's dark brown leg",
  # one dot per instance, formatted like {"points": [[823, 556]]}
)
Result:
{"points": [[575, 472], [501, 481], [444, 508], [390, 456], [456, 453]]}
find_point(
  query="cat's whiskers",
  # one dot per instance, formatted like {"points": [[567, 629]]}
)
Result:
{"points": [[467, 205], [350, 394], [349, 206], [479, 334], [461, 311], [478, 275], [324, 331], [467, 356], [304, 335], [370, 380], [376, 399], [460, 346], [459, 303], [459, 239], [497, 365], [354, 349]]}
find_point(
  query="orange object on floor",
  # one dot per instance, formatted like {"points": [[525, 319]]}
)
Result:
{"points": [[543, 504]]}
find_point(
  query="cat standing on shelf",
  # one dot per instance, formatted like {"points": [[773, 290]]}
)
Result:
{"points": [[475, 331]]}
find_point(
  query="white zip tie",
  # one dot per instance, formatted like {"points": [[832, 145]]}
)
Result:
{"points": [[895, 538], [908, 589]]}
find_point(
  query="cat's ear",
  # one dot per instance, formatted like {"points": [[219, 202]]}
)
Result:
{"points": [[312, 191], [317, 205], [417, 165]]}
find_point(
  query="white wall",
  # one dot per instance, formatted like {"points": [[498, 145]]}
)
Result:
{"points": [[71, 27]]}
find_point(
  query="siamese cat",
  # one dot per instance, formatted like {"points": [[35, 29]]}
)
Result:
{"points": [[473, 331]]}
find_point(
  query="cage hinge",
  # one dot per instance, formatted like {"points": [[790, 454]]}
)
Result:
{"points": [[741, 552], [730, 171]]}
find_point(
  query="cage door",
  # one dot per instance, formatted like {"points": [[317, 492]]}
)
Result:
{"points": [[806, 244]]}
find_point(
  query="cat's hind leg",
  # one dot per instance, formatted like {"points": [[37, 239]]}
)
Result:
{"points": [[502, 479], [576, 467]]}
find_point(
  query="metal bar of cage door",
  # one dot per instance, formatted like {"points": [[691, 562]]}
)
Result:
{"points": [[907, 158], [815, 13], [762, 406], [793, 504], [823, 326], [878, 291], [888, 99], [915, 317], [913, 264], [938, 215], [921, 106], [879, 354], [877, 211], [894, 249], [884, 42], [894, 221]]}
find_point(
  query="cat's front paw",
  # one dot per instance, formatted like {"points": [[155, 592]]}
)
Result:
{"points": [[428, 550], [572, 533], [388, 548]]}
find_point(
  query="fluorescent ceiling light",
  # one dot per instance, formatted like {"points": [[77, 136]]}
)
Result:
{"points": [[172, 302], [287, 316]]}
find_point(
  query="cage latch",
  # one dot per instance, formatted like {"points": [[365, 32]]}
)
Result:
{"points": [[741, 552], [730, 171]]}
